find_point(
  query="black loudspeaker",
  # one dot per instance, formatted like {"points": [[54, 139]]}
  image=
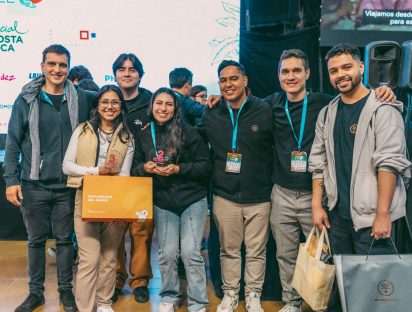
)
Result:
{"points": [[405, 80], [263, 13], [382, 64]]}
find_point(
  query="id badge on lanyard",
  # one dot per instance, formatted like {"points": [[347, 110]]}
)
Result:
{"points": [[234, 159], [233, 162], [299, 158], [299, 161]]}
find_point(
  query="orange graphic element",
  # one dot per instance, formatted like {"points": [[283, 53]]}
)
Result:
{"points": [[108, 198]]}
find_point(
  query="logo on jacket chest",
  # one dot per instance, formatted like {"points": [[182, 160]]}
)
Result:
{"points": [[353, 128], [138, 122], [254, 128]]}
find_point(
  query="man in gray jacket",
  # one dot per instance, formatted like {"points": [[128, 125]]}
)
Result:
{"points": [[358, 157]]}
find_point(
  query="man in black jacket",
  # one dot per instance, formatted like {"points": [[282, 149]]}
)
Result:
{"points": [[180, 80], [128, 71], [239, 130], [43, 117]]}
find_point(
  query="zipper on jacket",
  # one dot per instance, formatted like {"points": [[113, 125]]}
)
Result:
{"points": [[61, 144]]}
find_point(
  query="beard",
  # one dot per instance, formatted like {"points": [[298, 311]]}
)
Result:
{"points": [[354, 83]]}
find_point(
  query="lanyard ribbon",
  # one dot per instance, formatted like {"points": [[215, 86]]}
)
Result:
{"points": [[302, 121], [153, 130], [235, 124]]}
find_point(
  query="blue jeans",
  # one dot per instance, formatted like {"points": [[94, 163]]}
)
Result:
{"points": [[40, 208], [185, 230]]}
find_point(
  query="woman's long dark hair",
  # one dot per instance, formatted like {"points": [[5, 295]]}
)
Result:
{"points": [[173, 135], [124, 134]]}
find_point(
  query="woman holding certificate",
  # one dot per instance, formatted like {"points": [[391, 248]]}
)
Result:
{"points": [[176, 157], [101, 146]]}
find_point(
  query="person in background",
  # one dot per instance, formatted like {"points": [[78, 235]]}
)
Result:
{"points": [[176, 157], [198, 93], [180, 80], [43, 118], [107, 136], [88, 84], [78, 73]]}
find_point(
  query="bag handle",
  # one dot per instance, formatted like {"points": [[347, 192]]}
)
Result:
{"points": [[393, 245], [309, 239], [323, 237]]}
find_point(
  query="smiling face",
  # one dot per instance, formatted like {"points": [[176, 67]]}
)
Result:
{"points": [[55, 69], [345, 73], [293, 76], [127, 76], [109, 107], [232, 84], [163, 108]]}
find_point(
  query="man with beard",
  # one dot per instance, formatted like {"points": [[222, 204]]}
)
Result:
{"points": [[294, 108], [128, 71], [358, 157]]}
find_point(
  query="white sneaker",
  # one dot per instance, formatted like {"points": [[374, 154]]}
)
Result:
{"points": [[252, 301], [104, 309], [229, 302], [291, 308], [165, 307]]}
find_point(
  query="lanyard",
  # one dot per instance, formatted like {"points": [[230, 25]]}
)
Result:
{"points": [[302, 121], [235, 124], [152, 129]]}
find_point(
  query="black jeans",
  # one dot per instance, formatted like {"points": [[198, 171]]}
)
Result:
{"points": [[345, 240], [40, 208]]}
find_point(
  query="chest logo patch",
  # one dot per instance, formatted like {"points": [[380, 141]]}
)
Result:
{"points": [[353, 128], [254, 128]]}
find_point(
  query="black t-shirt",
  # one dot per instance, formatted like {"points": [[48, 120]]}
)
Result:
{"points": [[56, 100], [285, 142], [344, 133]]}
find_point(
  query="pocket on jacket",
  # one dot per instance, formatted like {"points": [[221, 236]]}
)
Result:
{"points": [[365, 193], [50, 166]]}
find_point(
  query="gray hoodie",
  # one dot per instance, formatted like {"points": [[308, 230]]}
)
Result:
{"points": [[379, 146]]}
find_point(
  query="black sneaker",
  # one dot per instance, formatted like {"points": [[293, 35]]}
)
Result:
{"points": [[68, 301], [141, 294], [116, 294], [32, 302]]}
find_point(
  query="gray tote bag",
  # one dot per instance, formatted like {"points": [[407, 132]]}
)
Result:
{"points": [[375, 283]]}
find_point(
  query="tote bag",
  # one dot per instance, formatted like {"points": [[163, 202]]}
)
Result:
{"points": [[377, 283], [313, 279]]}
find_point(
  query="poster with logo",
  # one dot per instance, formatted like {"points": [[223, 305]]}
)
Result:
{"points": [[164, 34]]}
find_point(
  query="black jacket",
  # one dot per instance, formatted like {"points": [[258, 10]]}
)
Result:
{"points": [[54, 131], [255, 142], [137, 116], [191, 110], [176, 192]]}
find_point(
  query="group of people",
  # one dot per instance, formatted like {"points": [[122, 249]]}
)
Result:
{"points": [[271, 162]]}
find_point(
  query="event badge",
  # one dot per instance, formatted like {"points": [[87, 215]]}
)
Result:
{"points": [[299, 161], [233, 162]]}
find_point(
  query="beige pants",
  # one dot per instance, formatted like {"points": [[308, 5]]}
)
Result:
{"points": [[237, 223], [96, 272]]}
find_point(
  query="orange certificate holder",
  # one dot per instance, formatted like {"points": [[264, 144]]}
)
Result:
{"points": [[109, 198]]}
